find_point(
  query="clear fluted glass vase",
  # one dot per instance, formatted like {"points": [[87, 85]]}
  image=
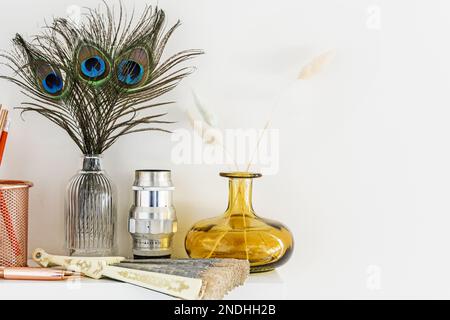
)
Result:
{"points": [[90, 211]]}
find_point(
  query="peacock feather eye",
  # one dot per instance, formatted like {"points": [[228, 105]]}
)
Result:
{"points": [[93, 66], [133, 68], [130, 72], [53, 83], [50, 80]]}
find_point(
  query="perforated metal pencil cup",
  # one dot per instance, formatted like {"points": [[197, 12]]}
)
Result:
{"points": [[14, 222]]}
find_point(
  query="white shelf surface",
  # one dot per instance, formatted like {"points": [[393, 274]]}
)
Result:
{"points": [[258, 287]]}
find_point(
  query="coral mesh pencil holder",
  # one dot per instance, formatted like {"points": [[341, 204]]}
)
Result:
{"points": [[13, 223]]}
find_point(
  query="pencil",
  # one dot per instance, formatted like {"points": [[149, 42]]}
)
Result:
{"points": [[4, 211], [3, 139]]}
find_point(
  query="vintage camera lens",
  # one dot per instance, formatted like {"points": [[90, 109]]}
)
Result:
{"points": [[153, 222]]}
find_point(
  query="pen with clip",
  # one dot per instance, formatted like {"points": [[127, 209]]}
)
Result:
{"points": [[36, 274]]}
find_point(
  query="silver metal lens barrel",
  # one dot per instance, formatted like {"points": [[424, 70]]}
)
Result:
{"points": [[153, 220]]}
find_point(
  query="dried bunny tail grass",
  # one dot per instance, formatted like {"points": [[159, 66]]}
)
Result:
{"points": [[266, 127], [316, 65], [208, 134], [206, 127], [199, 127], [209, 117]]}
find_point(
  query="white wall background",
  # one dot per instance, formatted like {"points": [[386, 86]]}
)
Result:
{"points": [[364, 177]]}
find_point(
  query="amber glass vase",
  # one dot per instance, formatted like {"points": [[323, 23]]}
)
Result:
{"points": [[240, 233]]}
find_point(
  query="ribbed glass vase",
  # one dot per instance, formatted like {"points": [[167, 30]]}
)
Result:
{"points": [[90, 211]]}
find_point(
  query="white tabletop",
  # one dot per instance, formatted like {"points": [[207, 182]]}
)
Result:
{"points": [[259, 286]]}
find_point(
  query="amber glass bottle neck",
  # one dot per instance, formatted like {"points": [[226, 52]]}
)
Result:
{"points": [[240, 197]]}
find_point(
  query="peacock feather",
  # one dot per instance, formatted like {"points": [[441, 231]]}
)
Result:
{"points": [[96, 79]]}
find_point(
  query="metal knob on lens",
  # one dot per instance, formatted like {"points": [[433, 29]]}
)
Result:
{"points": [[153, 221]]}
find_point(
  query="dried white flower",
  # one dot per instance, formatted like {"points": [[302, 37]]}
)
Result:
{"points": [[208, 134], [316, 65], [208, 116]]}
